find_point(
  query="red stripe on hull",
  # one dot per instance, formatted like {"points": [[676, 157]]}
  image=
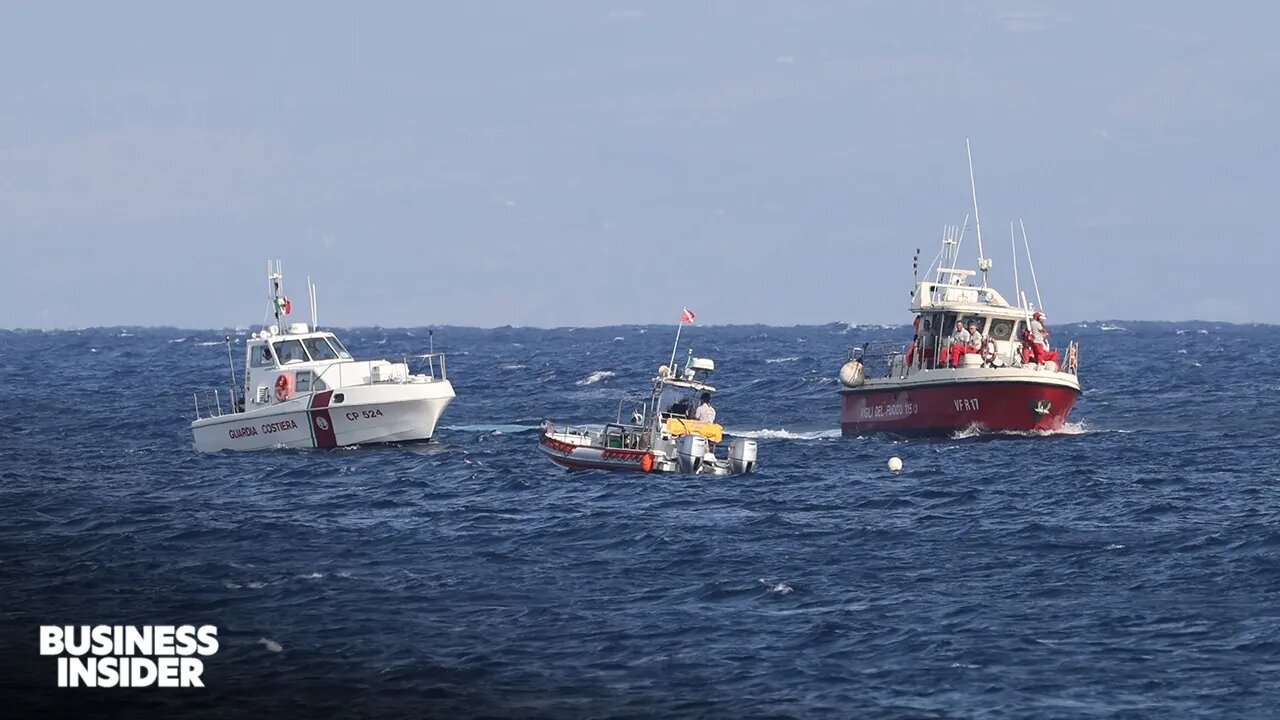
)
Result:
{"points": [[946, 408], [575, 464], [321, 422]]}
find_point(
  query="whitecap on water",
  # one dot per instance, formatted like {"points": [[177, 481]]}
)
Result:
{"points": [[270, 645], [596, 377], [779, 588], [772, 361], [514, 366]]}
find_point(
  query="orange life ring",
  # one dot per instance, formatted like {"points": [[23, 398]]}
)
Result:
{"points": [[646, 462], [284, 387]]}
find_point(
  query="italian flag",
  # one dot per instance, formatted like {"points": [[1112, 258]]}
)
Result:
{"points": [[283, 305]]}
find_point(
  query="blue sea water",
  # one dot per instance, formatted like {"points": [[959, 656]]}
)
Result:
{"points": [[1128, 567]]}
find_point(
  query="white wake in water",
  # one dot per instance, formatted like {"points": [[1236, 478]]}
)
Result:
{"points": [[496, 428], [784, 434], [1070, 428]]}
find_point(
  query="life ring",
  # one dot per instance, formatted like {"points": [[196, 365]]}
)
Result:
{"points": [[988, 352], [284, 387], [646, 462]]}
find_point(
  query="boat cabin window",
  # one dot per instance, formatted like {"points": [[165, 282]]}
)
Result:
{"points": [[261, 357], [320, 349], [308, 382], [290, 351], [980, 321], [1001, 329]]}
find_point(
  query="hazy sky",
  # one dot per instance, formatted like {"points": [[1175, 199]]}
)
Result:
{"points": [[584, 163]]}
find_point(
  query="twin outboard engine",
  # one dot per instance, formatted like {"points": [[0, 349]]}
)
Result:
{"points": [[691, 451], [742, 456]]}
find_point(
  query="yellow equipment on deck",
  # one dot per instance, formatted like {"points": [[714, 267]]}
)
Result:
{"points": [[680, 426]]}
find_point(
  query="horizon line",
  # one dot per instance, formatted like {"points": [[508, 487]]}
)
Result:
{"points": [[614, 325]]}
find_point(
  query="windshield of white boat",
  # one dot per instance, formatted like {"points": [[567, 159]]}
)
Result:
{"points": [[676, 401], [337, 344], [320, 349], [290, 351]]}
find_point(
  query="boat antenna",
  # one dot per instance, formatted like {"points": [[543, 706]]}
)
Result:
{"points": [[1013, 243], [983, 264], [231, 364], [431, 341], [311, 292], [274, 278], [1027, 245], [915, 272], [676, 345], [955, 251]]}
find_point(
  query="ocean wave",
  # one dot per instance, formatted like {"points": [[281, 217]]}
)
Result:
{"points": [[774, 361]]}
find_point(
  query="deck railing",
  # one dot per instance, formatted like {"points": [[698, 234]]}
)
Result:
{"points": [[209, 401]]}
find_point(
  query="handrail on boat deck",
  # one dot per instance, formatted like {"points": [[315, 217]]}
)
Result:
{"points": [[882, 359], [212, 406]]}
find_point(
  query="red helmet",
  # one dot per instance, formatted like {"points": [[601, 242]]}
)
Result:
{"points": [[1037, 315]]}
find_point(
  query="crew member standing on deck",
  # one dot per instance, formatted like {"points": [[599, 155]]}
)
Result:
{"points": [[959, 342], [911, 349], [705, 413], [1040, 339]]}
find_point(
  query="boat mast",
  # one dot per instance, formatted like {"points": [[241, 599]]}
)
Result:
{"points": [[274, 278], [1039, 304], [983, 264], [232, 365], [1013, 244]]}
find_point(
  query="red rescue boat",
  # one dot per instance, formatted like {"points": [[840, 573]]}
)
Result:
{"points": [[977, 362]]}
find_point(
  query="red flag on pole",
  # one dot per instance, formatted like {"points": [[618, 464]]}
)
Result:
{"points": [[686, 316]]}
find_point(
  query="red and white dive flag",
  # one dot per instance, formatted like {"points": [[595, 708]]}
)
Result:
{"points": [[686, 316]]}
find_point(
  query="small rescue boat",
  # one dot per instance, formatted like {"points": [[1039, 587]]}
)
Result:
{"points": [[303, 389], [661, 434]]}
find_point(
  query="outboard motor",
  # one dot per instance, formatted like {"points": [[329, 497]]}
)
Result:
{"points": [[852, 374], [742, 456], [691, 451]]}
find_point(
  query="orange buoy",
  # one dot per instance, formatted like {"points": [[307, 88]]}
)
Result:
{"points": [[284, 387], [646, 462]]}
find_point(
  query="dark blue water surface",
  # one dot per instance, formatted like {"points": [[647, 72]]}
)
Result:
{"points": [[1128, 567]]}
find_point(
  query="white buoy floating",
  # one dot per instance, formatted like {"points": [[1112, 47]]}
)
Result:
{"points": [[895, 464]]}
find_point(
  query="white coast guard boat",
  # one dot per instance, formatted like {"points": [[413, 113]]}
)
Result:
{"points": [[302, 389], [661, 435]]}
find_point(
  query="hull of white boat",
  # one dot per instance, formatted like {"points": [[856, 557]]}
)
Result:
{"points": [[367, 414]]}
